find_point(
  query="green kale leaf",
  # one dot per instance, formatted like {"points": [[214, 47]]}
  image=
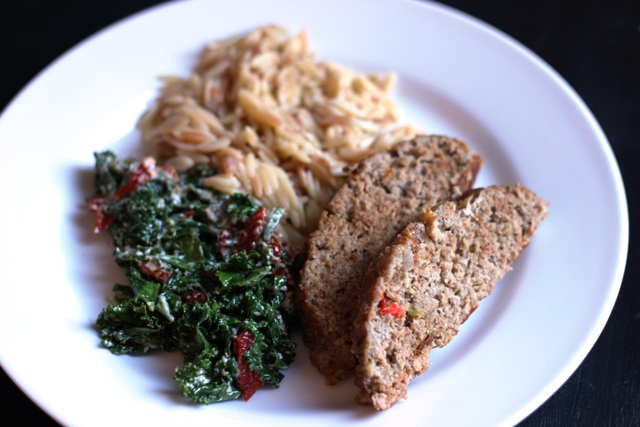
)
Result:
{"points": [[191, 289]]}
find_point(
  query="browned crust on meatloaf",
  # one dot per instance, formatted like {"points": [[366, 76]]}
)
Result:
{"points": [[436, 271], [378, 198]]}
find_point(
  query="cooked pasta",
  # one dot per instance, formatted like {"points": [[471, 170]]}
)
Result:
{"points": [[274, 122]]}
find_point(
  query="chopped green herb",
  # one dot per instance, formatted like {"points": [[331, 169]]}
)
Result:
{"points": [[414, 311]]}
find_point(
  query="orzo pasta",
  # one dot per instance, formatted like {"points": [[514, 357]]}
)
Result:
{"points": [[274, 122]]}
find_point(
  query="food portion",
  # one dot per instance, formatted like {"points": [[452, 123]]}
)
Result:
{"points": [[429, 280], [274, 122], [208, 276], [253, 144], [264, 149], [380, 197]]}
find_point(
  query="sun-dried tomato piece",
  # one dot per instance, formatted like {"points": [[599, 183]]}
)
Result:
{"points": [[194, 296], [385, 306], [96, 203], [248, 380], [152, 269], [102, 221], [248, 237], [282, 270], [143, 174], [276, 248]]}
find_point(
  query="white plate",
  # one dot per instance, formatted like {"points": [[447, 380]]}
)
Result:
{"points": [[457, 75]]}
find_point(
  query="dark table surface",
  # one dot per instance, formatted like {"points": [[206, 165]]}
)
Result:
{"points": [[593, 44]]}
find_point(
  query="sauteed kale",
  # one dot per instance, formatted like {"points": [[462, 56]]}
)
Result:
{"points": [[208, 277]]}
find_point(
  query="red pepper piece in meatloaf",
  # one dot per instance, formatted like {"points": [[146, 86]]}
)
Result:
{"points": [[378, 199], [435, 272]]}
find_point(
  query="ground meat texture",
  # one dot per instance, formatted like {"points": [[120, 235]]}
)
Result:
{"points": [[380, 197], [436, 270]]}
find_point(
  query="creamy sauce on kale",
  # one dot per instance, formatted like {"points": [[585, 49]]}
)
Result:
{"points": [[208, 277]]}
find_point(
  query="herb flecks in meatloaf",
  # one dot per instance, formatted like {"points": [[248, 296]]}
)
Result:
{"points": [[435, 272], [378, 199]]}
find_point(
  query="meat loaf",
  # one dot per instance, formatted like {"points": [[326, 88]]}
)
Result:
{"points": [[424, 285], [378, 198]]}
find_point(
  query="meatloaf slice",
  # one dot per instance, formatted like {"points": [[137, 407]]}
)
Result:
{"points": [[425, 284], [378, 198]]}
